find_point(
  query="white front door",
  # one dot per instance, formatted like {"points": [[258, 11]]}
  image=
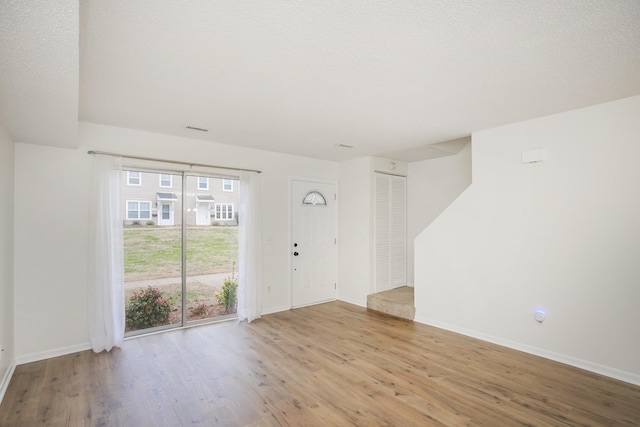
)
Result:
{"points": [[203, 217], [313, 249], [165, 214]]}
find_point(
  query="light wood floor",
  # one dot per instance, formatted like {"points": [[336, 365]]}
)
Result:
{"points": [[330, 364]]}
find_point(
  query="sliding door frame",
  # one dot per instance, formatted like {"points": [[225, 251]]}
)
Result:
{"points": [[184, 323]]}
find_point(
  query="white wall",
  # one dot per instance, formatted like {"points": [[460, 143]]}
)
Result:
{"points": [[52, 188], [355, 227], [431, 186], [356, 224], [561, 236], [51, 208], [6, 259]]}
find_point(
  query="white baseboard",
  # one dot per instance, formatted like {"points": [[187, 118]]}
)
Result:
{"points": [[285, 308], [4, 384], [361, 303], [34, 357], [275, 310], [562, 358]]}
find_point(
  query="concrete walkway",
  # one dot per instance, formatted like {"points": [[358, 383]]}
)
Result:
{"points": [[213, 280]]}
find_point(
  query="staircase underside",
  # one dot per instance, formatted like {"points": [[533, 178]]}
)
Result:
{"points": [[396, 302]]}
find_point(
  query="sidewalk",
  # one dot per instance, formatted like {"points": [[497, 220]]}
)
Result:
{"points": [[213, 280]]}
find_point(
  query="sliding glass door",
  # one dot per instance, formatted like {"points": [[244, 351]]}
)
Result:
{"points": [[211, 239], [180, 249]]}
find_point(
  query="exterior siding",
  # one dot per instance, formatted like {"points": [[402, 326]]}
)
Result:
{"points": [[201, 204]]}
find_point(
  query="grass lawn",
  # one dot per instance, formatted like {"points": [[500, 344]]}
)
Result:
{"points": [[155, 252]]}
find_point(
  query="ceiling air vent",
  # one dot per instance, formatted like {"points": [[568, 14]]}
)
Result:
{"points": [[196, 128]]}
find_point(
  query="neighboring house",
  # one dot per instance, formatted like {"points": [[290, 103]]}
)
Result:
{"points": [[157, 197]]}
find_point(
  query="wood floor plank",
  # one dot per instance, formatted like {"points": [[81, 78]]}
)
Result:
{"points": [[331, 364]]}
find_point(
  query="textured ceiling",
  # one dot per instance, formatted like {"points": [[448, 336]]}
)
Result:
{"points": [[39, 80], [387, 77]]}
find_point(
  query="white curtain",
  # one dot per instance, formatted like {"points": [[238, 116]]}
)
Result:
{"points": [[249, 248], [106, 266]]}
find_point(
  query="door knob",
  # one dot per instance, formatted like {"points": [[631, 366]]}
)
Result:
{"points": [[295, 254]]}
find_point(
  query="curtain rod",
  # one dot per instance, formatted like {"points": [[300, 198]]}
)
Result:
{"points": [[105, 153]]}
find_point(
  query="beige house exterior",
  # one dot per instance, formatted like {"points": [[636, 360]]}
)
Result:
{"points": [[150, 198]]}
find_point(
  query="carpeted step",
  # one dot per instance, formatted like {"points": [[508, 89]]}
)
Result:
{"points": [[397, 302]]}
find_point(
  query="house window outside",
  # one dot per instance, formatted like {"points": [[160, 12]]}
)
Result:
{"points": [[224, 211], [138, 210], [134, 178], [165, 180], [203, 183], [227, 185]]}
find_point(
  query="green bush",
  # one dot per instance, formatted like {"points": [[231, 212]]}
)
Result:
{"points": [[228, 297], [147, 308]]}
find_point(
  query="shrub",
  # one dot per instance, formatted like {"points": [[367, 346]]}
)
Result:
{"points": [[147, 308], [228, 297], [151, 223], [200, 309]]}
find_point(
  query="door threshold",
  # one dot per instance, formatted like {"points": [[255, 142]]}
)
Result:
{"points": [[193, 324]]}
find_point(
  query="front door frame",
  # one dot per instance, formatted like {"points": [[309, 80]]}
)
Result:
{"points": [[161, 220], [203, 210], [291, 233]]}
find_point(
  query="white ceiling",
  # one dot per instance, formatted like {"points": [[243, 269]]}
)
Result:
{"points": [[39, 82], [387, 77]]}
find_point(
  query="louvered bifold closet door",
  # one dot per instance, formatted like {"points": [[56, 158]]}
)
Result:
{"points": [[398, 232], [382, 230], [390, 231]]}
